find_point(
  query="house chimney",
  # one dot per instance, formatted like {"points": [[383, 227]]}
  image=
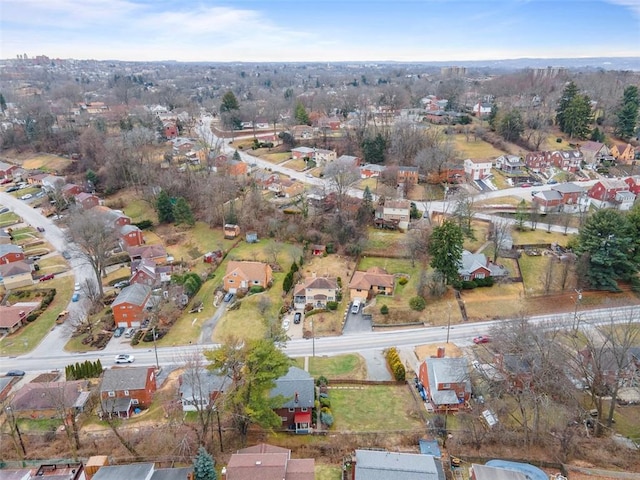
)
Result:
{"points": [[295, 398], [440, 352]]}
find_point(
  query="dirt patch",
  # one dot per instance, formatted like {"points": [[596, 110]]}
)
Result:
{"points": [[431, 350]]}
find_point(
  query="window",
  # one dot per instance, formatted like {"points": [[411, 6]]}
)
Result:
{"points": [[126, 393], [230, 281], [112, 394], [135, 401], [480, 275], [284, 419], [304, 409], [292, 409]]}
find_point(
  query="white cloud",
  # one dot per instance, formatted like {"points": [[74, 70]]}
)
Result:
{"points": [[633, 5]]}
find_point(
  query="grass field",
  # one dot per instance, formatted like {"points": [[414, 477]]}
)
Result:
{"points": [[9, 218], [383, 241], [349, 366], [45, 162], [366, 408], [328, 472], [475, 149], [276, 158]]}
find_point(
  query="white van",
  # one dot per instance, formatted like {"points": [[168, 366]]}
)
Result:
{"points": [[129, 333], [355, 308]]}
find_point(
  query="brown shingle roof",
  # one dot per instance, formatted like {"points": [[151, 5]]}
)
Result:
{"points": [[374, 276], [249, 270]]}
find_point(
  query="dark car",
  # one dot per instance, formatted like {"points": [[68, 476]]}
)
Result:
{"points": [[228, 297], [297, 317], [12, 189], [15, 373], [118, 332], [41, 229]]}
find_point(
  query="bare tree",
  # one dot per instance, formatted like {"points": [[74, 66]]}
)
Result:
{"points": [[416, 243], [273, 249], [500, 231], [464, 212], [341, 175], [95, 237]]}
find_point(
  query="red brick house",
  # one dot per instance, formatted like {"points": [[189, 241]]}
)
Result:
{"points": [[70, 190], [567, 160], [567, 197], [155, 252], [125, 389], [114, 218], [6, 170], [371, 170], [634, 184], [244, 275], [170, 130], [612, 193], [297, 389], [129, 307], [375, 281], [87, 200], [298, 153], [446, 382], [147, 272], [131, 236], [407, 175], [517, 370], [11, 253], [268, 462], [14, 316]]}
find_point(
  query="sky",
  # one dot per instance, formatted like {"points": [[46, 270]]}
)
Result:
{"points": [[319, 30]]}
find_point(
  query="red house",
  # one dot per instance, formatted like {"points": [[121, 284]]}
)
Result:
{"points": [[131, 236], [634, 184], [6, 170], [297, 388], [71, 190], [606, 190], [87, 200], [125, 389], [129, 307], [446, 383], [170, 130], [10, 253], [111, 217]]}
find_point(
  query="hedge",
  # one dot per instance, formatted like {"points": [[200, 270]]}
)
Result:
{"points": [[395, 364]]}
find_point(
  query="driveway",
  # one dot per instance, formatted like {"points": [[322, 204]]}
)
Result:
{"points": [[206, 333], [356, 323], [376, 365]]}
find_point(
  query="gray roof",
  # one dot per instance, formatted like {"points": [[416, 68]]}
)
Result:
{"points": [[9, 248], [116, 404], [381, 465], [172, 473], [567, 188], [135, 294], [549, 195], [296, 383], [194, 385], [446, 370], [128, 229], [124, 378], [21, 474], [470, 262], [133, 471]]}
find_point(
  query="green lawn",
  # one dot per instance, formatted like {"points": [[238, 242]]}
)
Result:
{"points": [[328, 472], [351, 366], [29, 336], [367, 408], [9, 218], [475, 149], [380, 241], [139, 210]]}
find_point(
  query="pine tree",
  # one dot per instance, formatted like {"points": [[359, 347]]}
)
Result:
{"points": [[204, 466], [301, 115], [229, 103], [627, 114], [182, 212], [493, 115], [574, 112], [164, 207], [3, 103]]}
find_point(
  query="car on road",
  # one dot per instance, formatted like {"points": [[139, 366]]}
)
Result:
{"points": [[41, 229], [15, 373], [121, 284], [297, 317], [48, 276], [228, 297], [76, 287], [552, 182], [308, 175], [26, 197], [75, 297], [481, 339], [118, 332], [525, 185], [62, 316], [285, 324], [66, 255], [124, 358]]}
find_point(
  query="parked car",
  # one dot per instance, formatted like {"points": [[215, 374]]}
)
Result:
{"points": [[121, 284], [76, 287], [129, 333], [118, 332], [41, 229], [228, 297], [48, 276], [66, 255], [297, 317], [62, 316], [75, 297], [12, 189], [124, 358], [15, 373], [285, 324], [526, 185], [26, 196], [481, 339], [145, 323]]}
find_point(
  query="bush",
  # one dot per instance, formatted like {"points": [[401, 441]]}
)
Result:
{"points": [[326, 418], [558, 140], [384, 310], [325, 402], [403, 281], [332, 305], [395, 364], [256, 289], [144, 224], [417, 303], [468, 285], [322, 380]]}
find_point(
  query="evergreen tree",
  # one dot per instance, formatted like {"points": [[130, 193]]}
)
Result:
{"points": [[627, 113], [374, 149], [574, 112], [511, 126], [164, 207], [365, 210], [493, 117], [445, 248], [204, 466], [3, 103], [182, 212], [597, 135], [236, 156], [301, 115], [229, 103]]}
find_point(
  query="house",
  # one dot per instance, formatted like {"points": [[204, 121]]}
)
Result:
{"points": [[12, 317], [199, 388], [46, 399], [328, 123], [170, 130], [567, 160], [131, 236], [407, 175], [477, 169], [315, 291], [512, 164], [393, 214], [155, 252], [548, 201], [87, 200], [112, 218], [244, 275], [297, 388], [11, 253], [605, 194], [383, 465], [302, 132], [146, 272], [594, 152], [613, 366], [482, 109], [70, 190], [447, 383], [299, 153], [349, 160], [517, 369], [6, 170], [231, 231], [51, 183], [16, 274], [624, 154], [568, 197], [52, 471], [142, 471], [129, 307], [124, 389], [477, 266], [286, 187], [268, 462], [371, 170], [375, 281], [263, 178], [323, 156], [318, 250]]}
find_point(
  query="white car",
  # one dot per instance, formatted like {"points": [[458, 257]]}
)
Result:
{"points": [[76, 287], [26, 197], [285, 324], [124, 358]]}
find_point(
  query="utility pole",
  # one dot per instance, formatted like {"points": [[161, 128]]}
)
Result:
{"points": [[576, 319], [313, 340], [16, 429], [155, 348]]}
